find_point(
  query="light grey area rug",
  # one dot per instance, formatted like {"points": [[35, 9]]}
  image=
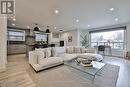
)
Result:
{"points": [[107, 76], [62, 76]]}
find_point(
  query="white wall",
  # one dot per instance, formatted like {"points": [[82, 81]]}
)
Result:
{"points": [[75, 36], [52, 39], [3, 43], [128, 37]]}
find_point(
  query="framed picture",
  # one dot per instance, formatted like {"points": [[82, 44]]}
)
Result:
{"points": [[69, 38]]}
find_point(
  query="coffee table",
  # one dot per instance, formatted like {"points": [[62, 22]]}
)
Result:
{"points": [[88, 72]]}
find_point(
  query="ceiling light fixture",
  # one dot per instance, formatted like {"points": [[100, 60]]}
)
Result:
{"points": [[14, 19], [77, 20], [88, 25], [28, 27], [55, 27], [56, 11], [13, 24], [111, 9], [47, 30], [36, 28], [116, 19]]}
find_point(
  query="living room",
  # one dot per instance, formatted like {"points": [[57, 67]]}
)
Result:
{"points": [[64, 43]]}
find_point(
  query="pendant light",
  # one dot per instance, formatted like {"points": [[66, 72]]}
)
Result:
{"points": [[36, 28], [47, 30]]}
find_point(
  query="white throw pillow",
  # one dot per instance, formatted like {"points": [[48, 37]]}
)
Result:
{"points": [[77, 50], [48, 52], [70, 50], [60, 50], [40, 54], [54, 52], [83, 50], [67, 50]]}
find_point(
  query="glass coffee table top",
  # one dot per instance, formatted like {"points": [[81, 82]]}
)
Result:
{"points": [[92, 70]]}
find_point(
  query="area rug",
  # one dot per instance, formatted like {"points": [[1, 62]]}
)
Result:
{"points": [[62, 76], [107, 76]]}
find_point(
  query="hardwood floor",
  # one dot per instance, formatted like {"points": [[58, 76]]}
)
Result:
{"points": [[16, 74], [20, 74]]}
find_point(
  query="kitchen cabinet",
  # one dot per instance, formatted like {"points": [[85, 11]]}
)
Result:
{"points": [[16, 49]]}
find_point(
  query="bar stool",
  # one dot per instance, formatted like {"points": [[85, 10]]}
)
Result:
{"points": [[101, 48]]}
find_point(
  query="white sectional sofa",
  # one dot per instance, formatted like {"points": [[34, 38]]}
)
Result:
{"points": [[41, 59]]}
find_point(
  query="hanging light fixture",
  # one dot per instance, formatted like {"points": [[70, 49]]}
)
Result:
{"points": [[36, 28], [47, 30]]}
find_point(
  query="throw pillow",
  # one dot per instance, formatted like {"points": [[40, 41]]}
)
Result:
{"points": [[60, 50], [48, 52], [83, 50], [77, 50], [67, 50], [54, 52], [40, 54], [70, 50]]}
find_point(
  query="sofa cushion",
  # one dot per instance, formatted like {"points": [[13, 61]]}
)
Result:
{"points": [[77, 50], [67, 57], [58, 50], [40, 54], [54, 52], [91, 50], [70, 50], [50, 61], [33, 59], [48, 52], [83, 49]]}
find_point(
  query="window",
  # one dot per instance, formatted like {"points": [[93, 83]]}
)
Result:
{"points": [[40, 37], [16, 35], [113, 38]]}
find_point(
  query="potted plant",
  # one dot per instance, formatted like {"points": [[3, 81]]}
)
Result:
{"points": [[84, 40]]}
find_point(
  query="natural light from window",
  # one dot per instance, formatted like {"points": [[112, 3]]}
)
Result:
{"points": [[115, 39]]}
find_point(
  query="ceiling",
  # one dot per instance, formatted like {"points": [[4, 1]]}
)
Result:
{"points": [[95, 13]]}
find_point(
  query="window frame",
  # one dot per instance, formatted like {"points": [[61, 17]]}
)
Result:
{"points": [[16, 35], [111, 29]]}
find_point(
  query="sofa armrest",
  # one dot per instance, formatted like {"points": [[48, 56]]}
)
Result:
{"points": [[33, 58], [90, 50]]}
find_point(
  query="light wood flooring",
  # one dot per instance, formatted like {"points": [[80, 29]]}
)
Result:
{"points": [[20, 74]]}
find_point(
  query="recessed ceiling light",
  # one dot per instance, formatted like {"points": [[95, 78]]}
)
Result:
{"points": [[116, 19], [55, 27], [77, 20], [28, 27], [14, 19], [13, 24], [111, 9], [88, 25], [56, 11]]}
